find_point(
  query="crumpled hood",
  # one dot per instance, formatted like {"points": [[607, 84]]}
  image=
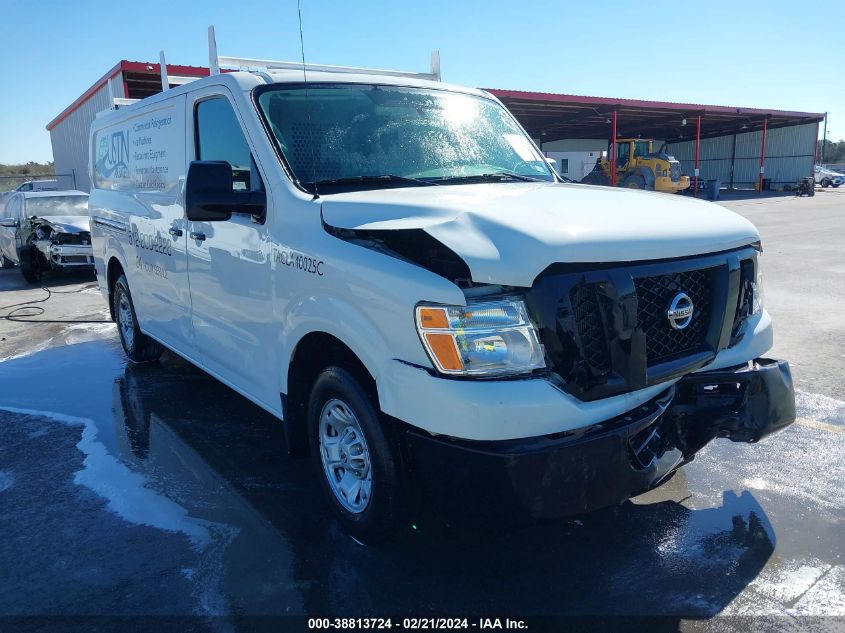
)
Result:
{"points": [[69, 223], [508, 233]]}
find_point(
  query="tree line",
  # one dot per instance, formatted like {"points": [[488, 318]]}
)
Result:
{"points": [[13, 175], [834, 152]]}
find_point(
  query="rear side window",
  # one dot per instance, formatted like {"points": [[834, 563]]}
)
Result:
{"points": [[219, 137]]}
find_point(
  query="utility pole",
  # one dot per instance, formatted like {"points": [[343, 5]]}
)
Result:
{"points": [[824, 139]]}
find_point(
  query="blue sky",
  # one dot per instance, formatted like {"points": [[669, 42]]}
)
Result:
{"points": [[744, 52]]}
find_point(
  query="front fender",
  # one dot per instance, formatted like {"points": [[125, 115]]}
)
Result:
{"points": [[355, 330]]}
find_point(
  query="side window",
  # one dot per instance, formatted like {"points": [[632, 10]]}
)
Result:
{"points": [[564, 166], [640, 149], [623, 151], [26, 187], [219, 137]]}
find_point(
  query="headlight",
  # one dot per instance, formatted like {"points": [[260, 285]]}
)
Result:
{"points": [[757, 295], [485, 338]]}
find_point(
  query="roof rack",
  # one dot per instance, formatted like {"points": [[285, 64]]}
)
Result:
{"points": [[244, 63]]}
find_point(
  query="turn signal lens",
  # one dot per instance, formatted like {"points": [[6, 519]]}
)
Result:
{"points": [[433, 318], [444, 350], [483, 338]]}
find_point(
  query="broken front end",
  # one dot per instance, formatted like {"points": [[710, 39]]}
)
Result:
{"points": [[58, 246]]}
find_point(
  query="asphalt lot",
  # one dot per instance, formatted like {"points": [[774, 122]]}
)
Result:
{"points": [[156, 491]]}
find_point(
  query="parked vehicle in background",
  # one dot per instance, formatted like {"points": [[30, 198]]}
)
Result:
{"points": [[38, 185], [389, 265], [827, 177], [46, 230], [638, 166]]}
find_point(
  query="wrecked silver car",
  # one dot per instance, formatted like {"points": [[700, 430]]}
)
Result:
{"points": [[43, 231]]}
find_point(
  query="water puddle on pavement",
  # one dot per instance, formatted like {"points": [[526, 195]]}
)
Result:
{"points": [[161, 472]]}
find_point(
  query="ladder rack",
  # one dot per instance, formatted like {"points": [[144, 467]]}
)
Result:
{"points": [[246, 63]]}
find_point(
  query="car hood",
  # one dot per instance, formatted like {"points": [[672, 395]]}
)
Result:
{"points": [[69, 223], [508, 233]]}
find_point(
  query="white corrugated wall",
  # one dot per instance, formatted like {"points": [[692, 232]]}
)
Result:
{"points": [[789, 156], [70, 137]]}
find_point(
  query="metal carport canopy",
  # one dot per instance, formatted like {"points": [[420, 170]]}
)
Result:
{"points": [[550, 117]]}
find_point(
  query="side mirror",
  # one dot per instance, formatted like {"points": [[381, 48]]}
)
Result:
{"points": [[209, 196], [12, 223]]}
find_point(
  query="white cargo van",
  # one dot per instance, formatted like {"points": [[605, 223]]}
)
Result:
{"points": [[388, 264]]}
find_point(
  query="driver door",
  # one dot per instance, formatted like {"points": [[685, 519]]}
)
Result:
{"points": [[229, 263], [623, 154]]}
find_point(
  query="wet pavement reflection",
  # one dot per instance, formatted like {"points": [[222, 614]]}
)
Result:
{"points": [[156, 489]]}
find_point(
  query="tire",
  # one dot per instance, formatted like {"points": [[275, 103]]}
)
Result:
{"points": [[139, 347], [29, 265], [340, 407], [835, 186], [825, 183], [634, 182], [5, 262]]}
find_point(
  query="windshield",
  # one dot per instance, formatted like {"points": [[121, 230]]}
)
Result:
{"points": [[396, 136], [57, 205]]}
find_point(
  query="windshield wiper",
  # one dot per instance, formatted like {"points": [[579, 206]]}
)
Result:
{"points": [[384, 179], [496, 176]]}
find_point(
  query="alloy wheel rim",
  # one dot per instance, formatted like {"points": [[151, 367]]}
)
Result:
{"points": [[345, 456]]}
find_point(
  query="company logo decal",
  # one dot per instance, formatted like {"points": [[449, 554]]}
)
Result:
{"points": [[113, 156], [680, 311]]}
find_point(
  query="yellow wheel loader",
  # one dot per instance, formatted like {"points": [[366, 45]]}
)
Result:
{"points": [[639, 167]]}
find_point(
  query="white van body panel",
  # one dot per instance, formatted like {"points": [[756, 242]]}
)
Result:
{"points": [[238, 303], [138, 168]]}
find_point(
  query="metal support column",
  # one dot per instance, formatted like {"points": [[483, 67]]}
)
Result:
{"points": [[613, 151], [697, 145], [824, 138], [733, 162], [763, 155], [815, 151]]}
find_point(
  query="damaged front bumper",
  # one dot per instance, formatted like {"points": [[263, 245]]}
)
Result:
{"points": [[66, 255], [606, 463]]}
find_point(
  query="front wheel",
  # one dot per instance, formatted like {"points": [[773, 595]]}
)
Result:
{"points": [[29, 265], [634, 182], [139, 347], [357, 459], [825, 183]]}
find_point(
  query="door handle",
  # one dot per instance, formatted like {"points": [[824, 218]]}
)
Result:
{"points": [[200, 237], [175, 232]]}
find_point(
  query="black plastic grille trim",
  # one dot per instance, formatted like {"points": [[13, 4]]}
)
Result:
{"points": [[744, 304], [588, 320]]}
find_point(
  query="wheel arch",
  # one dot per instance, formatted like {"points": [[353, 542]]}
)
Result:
{"points": [[314, 352], [114, 269]]}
